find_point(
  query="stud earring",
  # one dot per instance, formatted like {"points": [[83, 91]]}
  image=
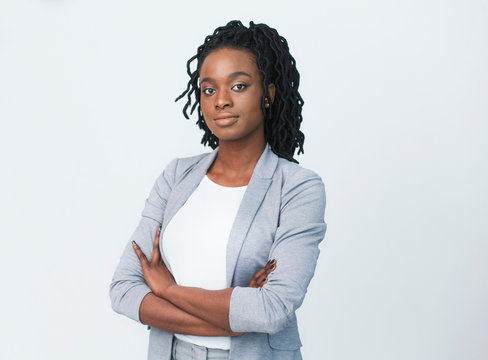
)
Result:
{"points": [[266, 103]]}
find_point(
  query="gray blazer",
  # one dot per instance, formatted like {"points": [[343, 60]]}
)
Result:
{"points": [[281, 217]]}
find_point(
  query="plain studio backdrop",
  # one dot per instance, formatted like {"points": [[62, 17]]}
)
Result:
{"points": [[395, 119]]}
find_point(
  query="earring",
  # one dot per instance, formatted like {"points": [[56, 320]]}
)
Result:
{"points": [[266, 103]]}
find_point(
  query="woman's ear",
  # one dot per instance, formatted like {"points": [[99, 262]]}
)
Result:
{"points": [[271, 92]]}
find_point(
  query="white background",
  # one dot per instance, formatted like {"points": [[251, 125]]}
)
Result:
{"points": [[395, 119]]}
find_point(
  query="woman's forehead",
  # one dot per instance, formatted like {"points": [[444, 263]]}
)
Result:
{"points": [[226, 61]]}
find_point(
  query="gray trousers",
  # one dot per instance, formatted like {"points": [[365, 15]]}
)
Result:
{"points": [[183, 350]]}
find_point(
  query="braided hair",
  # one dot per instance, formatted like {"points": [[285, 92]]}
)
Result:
{"points": [[283, 117]]}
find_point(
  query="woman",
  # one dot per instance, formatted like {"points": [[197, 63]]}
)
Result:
{"points": [[228, 240]]}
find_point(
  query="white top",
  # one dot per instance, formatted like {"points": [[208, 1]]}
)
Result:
{"points": [[195, 242]]}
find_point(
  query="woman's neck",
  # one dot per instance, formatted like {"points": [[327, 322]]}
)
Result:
{"points": [[235, 162]]}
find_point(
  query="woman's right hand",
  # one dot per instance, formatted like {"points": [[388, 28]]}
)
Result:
{"points": [[261, 276]]}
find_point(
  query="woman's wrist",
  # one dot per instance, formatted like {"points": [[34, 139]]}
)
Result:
{"points": [[164, 293]]}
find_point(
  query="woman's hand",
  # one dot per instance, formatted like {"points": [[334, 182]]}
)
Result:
{"points": [[261, 276], [157, 275]]}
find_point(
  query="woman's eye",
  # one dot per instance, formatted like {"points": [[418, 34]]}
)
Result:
{"points": [[239, 87], [208, 91]]}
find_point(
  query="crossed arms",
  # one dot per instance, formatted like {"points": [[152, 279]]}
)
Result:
{"points": [[145, 291], [173, 308]]}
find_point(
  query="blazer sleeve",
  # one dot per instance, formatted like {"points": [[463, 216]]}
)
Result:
{"points": [[128, 287], [296, 250]]}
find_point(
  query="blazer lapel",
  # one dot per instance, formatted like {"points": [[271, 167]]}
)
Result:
{"points": [[186, 187], [182, 191], [251, 201]]}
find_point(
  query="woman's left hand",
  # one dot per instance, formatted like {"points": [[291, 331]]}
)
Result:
{"points": [[157, 275], [261, 276]]}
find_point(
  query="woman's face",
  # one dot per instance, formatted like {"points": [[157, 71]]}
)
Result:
{"points": [[231, 92]]}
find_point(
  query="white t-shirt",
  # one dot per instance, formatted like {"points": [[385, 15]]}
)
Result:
{"points": [[195, 243]]}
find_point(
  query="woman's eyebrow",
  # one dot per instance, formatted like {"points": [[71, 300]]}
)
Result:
{"points": [[239, 73], [233, 75]]}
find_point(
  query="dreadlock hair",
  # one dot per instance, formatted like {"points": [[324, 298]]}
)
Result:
{"points": [[283, 117]]}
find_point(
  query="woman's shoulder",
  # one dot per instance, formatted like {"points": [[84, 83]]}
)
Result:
{"points": [[299, 183], [301, 189], [293, 172], [184, 163], [180, 166]]}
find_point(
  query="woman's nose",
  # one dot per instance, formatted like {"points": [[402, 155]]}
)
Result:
{"points": [[223, 99]]}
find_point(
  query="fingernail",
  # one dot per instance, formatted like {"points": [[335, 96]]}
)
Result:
{"points": [[273, 267], [133, 242], [269, 262], [265, 279], [273, 261]]}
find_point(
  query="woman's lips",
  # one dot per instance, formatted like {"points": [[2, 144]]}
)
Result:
{"points": [[226, 120]]}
